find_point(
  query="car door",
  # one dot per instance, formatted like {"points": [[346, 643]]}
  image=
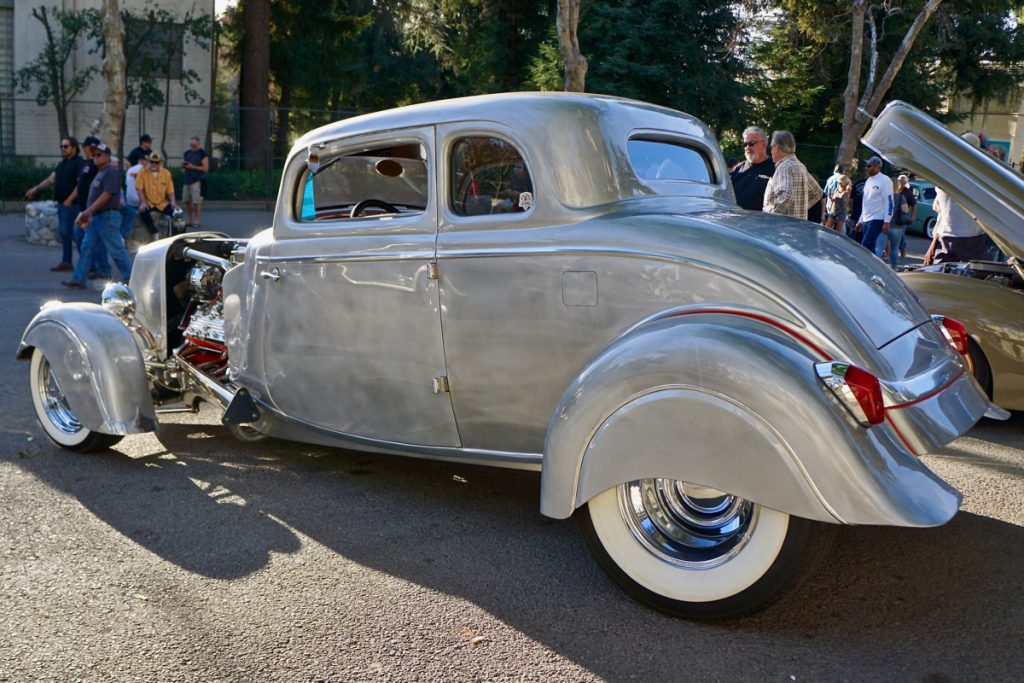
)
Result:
{"points": [[351, 336]]}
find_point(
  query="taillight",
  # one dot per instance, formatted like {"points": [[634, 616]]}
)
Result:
{"points": [[954, 332], [858, 390]]}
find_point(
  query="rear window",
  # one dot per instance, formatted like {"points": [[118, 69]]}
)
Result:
{"points": [[488, 176], [663, 160]]}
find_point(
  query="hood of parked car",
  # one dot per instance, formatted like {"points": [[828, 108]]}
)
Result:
{"points": [[989, 190]]}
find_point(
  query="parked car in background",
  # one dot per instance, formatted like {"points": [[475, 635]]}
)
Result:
{"points": [[924, 215], [559, 282], [986, 296]]}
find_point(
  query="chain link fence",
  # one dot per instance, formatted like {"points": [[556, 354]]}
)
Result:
{"points": [[30, 141]]}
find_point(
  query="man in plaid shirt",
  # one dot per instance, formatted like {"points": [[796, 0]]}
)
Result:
{"points": [[792, 190]]}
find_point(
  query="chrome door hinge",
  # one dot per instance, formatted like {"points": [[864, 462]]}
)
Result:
{"points": [[440, 385], [432, 271]]}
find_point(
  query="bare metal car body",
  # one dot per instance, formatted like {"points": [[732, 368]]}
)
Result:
{"points": [[622, 332], [987, 297]]}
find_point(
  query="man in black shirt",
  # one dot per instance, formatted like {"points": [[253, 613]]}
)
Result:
{"points": [[64, 178], [100, 266], [141, 152], [751, 177]]}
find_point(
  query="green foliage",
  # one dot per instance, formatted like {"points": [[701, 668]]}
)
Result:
{"points": [[480, 46], [48, 72], [678, 53], [803, 49], [18, 175]]}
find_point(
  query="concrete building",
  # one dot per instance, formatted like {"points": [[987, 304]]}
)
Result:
{"points": [[999, 119], [28, 130]]}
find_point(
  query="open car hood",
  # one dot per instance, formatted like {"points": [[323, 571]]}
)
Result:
{"points": [[987, 189]]}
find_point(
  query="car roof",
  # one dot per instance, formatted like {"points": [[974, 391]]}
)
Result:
{"points": [[510, 109]]}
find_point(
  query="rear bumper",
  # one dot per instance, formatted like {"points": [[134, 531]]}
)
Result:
{"points": [[929, 423]]}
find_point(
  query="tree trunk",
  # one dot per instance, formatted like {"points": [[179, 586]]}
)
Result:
{"points": [[254, 91], [114, 74], [854, 121], [569, 45], [211, 113]]}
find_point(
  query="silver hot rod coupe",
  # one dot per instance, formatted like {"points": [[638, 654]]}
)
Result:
{"points": [[549, 281]]}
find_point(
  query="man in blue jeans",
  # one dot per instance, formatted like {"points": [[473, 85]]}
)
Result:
{"points": [[64, 179], [101, 220], [877, 207]]}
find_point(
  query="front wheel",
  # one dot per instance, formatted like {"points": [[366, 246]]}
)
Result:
{"points": [[929, 228], [693, 551], [56, 417]]}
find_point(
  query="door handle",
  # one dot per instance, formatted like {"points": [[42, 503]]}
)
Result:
{"points": [[274, 274]]}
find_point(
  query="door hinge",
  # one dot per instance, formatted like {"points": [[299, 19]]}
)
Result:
{"points": [[440, 385], [432, 271]]}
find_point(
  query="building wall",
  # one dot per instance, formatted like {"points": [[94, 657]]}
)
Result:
{"points": [[36, 130], [999, 120]]}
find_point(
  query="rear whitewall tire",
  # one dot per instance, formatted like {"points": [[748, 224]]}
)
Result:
{"points": [[749, 576]]}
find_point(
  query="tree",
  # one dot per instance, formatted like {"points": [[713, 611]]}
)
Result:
{"points": [[112, 126], [569, 45], [859, 107], [254, 90], [49, 71]]}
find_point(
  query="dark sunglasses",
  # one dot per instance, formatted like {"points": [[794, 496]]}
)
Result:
{"points": [[751, 144], [63, 146]]}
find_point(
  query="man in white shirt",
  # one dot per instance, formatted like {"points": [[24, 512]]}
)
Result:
{"points": [[958, 237], [130, 209], [876, 211]]}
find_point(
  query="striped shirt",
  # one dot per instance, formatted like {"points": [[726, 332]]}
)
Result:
{"points": [[792, 190]]}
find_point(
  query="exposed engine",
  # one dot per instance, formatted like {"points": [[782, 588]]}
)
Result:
{"points": [[1008, 273], [195, 272], [203, 321]]}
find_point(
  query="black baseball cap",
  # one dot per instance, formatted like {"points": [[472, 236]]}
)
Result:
{"points": [[90, 141], [145, 138]]}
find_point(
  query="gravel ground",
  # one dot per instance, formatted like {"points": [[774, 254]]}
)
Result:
{"points": [[188, 556]]}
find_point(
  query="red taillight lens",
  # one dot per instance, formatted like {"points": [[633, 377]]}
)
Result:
{"points": [[858, 390], [955, 333], [868, 392]]}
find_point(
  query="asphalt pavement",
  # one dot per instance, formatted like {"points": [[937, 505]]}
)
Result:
{"points": [[186, 555]]}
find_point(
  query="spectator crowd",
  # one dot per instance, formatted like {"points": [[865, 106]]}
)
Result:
{"points": [[875, 211], [97, 206]]}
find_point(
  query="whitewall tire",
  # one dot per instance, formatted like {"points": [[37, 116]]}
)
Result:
{"points": [[692, 551]]}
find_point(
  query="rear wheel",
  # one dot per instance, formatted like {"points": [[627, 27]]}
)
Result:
{"points": [[56, 417], [693, 551]]}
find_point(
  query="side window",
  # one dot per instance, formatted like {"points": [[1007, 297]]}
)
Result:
{"points": [[488, 175], [379, 181], [661, 160]]}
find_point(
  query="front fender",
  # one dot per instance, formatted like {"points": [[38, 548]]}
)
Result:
{"points": [[734, 404], [98, 364]]}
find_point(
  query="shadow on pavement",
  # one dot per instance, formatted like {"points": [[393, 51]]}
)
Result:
{"points": [[917, 604]]}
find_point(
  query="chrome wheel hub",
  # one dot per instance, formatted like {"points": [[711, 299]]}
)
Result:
{"points": [[684, 524], [55, 405]]}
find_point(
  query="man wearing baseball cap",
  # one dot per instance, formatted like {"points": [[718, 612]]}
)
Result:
{"points": [[101, 220], [876, 213], [100, 266]]}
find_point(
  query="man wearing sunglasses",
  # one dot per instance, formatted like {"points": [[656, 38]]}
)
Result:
{"points": [[156, 191], [751, 177], [64, 179]]}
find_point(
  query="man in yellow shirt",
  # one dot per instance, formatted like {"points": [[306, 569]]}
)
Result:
{"points": [[156, 191]]}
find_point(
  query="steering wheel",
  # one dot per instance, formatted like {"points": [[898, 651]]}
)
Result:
{"points": [[367, 203]]}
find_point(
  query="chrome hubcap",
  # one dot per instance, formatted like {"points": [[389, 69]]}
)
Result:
{"points": [[684, 524], [55, 405]]}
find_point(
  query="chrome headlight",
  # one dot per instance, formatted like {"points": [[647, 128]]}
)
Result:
{"points": [[119, 300]]}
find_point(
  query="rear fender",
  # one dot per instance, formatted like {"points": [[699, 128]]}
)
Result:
{"points": [[98, 364], [734, 404]]}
